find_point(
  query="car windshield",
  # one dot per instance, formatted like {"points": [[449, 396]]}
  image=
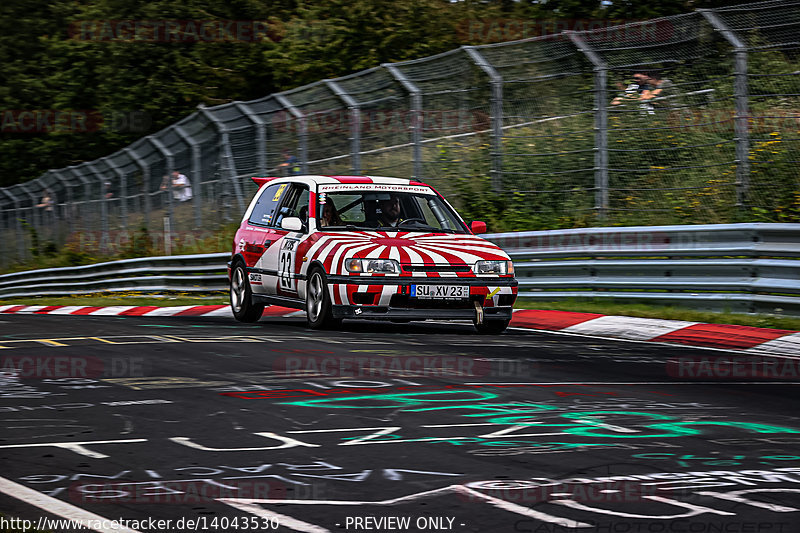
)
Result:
{"points": [[417, 210]]}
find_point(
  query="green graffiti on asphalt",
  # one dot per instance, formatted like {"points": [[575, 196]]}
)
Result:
{"points": [[584, 424]]}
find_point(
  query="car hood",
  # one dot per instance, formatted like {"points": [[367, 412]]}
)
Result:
{"points": [[410, 247]]}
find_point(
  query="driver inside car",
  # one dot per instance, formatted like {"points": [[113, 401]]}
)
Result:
{"points": [[390, 211]]}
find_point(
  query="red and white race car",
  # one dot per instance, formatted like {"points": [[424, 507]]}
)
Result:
{"points": [[366, 247]]}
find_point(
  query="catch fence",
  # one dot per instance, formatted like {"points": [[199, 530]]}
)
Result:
{"points": [[540, 133]]}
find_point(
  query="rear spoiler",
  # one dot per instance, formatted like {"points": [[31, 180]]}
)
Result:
{"points": [[262, 180]]}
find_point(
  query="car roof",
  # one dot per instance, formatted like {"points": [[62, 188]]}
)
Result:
{"points": [[313, 179]]}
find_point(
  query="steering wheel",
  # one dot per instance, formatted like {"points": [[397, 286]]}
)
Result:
{"points": [[412, 220]]}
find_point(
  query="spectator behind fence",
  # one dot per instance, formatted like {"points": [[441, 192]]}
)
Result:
{"points": [[651, 91], [660, 92], [291, 163], [633, 91], [181, 187], [47, 201]]}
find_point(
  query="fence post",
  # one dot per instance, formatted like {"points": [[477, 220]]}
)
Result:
{"points": [[355, 123], [302, 135], [226, 155], [143, 166], [416, 112], [261, 135], [168, 155], [197, 200], [740, 97], [68, 203], [36, 221], [123, 187], [87, 190], [104, 237], [20, 239], [496, 81], [600, 124]]}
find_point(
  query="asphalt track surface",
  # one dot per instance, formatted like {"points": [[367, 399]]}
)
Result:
{"points": [[220, 426]]}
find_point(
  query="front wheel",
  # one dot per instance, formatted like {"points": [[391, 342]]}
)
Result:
{"points": [[242, 296], [318, 302], [491, 327]]}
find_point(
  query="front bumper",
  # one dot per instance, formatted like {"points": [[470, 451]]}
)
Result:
{"points": [[393, 297], [404, 313]]}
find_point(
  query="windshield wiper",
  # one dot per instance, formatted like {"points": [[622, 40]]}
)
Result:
{"points": [[351, 227], [410, 228]]}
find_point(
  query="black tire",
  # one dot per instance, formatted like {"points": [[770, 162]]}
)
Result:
{"points": [[244, 310], [318, 302], [491, 327]]}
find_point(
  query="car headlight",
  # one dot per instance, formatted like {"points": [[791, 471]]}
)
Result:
{"points": [[493, 267], [372, 266]]}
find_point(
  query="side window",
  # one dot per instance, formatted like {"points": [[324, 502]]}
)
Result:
{"points": [[295, 204], [264, 210]]}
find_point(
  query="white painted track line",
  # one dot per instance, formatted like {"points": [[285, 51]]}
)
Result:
{"points": [[58, 507]]}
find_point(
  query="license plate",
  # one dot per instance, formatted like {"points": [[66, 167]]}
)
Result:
{"points": [[445, 292]]}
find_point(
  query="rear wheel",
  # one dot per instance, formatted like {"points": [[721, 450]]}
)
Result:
{"points": [[242, 296], [318, 302], [491, 327]]}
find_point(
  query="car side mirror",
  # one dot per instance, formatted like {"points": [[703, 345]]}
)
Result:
{"points": [[477, 226], [292, 224]]}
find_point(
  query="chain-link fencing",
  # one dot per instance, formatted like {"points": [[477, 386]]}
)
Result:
{"points": [[685, 119]]}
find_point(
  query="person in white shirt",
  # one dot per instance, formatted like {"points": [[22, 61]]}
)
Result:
{"points": [[181, 187]]}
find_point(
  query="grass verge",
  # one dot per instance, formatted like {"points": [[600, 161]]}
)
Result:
{"points": [[577, 305], [101, 300]]}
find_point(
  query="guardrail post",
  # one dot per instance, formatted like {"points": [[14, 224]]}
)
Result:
{"points": [[600, 124], [197, 169], [302, 135], [416, 112], [143, 166], [496, 81], [355, 124], [740, 97]]}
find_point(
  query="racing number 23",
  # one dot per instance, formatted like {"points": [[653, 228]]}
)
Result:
{"points": [[286, 263]]}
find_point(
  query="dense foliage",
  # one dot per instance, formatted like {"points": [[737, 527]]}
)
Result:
{"points": [[135, 87]]}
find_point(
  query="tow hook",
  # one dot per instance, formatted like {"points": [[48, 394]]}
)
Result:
{"points": [[478, 312]]}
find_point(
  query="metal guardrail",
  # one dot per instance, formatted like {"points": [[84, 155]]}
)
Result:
{"points": [[736, 267], [185, 273]]}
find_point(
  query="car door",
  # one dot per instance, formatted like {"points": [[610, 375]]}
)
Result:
{"points": [[260, 235], [280, 262]]}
